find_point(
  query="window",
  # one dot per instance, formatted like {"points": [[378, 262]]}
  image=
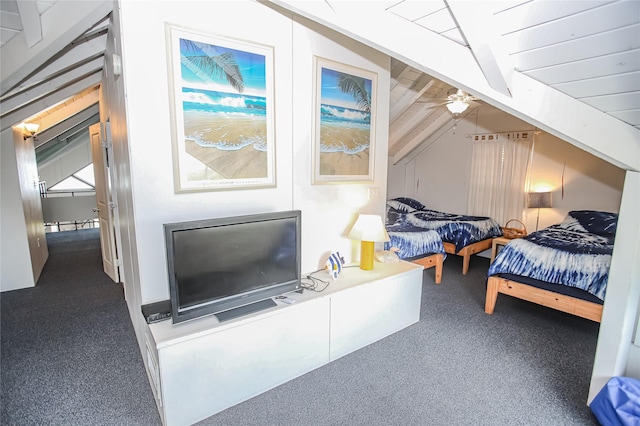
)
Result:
{"points": [[82, 180]]}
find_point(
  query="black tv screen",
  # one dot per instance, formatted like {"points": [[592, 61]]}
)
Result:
{"points": [[216, 265]]}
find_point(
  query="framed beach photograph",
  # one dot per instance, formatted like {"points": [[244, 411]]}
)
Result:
{"points": [[344, 123], [222, 112]]}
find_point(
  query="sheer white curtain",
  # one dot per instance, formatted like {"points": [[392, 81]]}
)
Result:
{"points": [[499, 171]]}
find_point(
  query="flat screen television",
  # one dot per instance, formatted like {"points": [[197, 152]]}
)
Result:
{"points": [[220, 265]]}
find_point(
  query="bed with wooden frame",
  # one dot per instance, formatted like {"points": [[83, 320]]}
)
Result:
{"points": [[417, 245], [433, 260], [461, 235], [467, 251], [563, 267], [532, 293]]}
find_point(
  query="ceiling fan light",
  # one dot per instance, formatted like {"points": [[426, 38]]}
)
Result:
{"points": [[457, 107]]}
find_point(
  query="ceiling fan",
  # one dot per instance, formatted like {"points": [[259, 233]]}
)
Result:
{"points": [[458, 102]]}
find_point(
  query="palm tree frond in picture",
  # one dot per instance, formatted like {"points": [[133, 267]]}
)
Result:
{"points": [[218, 66], [356, 87]]}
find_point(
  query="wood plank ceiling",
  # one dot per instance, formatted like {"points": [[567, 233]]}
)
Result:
{"points": [[53, 52], [589, 50], [52, 57]]}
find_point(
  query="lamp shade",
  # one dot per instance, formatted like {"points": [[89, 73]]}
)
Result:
{"points": [[369, 227], [457, 107], [539, 200]]}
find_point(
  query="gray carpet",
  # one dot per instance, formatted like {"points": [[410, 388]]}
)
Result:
{"points": [[69, 354], [68, 241], [523, 365], [69, 357]]}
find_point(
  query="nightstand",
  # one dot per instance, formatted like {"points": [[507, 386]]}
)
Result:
{"points": [[500, 241]]}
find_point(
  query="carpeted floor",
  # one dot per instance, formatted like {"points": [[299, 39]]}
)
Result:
{"points": [[523, 365], [70, 357], [68, 241], [69, 354]]}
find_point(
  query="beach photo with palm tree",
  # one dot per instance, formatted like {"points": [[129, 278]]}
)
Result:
{"points": [[222, 97], [345, 109]]}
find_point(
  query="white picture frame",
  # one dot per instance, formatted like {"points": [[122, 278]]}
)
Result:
{"points": [[344, 123], [222, 112]]}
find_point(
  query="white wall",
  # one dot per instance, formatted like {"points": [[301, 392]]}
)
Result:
{"points": [[150, 147], [577, 180], [437, 171], [327, 210], [439, 174]]}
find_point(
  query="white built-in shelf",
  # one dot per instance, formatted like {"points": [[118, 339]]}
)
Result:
{"points": [[201, 367]]}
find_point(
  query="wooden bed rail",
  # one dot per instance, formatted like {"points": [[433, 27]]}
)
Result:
{"points": [[467, 251], [436, 260], [560, 302]]}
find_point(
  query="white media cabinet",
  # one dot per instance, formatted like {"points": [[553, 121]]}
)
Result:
{"points": [[201, 367]]}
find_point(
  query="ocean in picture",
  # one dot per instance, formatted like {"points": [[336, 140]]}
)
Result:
{"points": [[226, 133], [343, 129], [225, 121]]}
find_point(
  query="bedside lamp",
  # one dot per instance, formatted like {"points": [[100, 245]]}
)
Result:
{"points": [[539, 200], [369, 229]]}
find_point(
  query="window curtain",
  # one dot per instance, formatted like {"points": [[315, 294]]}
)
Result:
{"points": [[499, 171]]}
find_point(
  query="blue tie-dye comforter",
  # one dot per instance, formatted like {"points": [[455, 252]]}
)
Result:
{"points": [[412, 241], [565, 254], [460, 230]]}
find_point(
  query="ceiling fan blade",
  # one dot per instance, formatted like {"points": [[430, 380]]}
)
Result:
{"points": [[435, 101]]}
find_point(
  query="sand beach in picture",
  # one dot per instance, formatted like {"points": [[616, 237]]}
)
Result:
{"points": [[344, 151], [345, 124], [232, 146]]}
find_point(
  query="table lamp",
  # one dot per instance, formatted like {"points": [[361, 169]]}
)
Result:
{"points": [[369, 229], [538, 200]]}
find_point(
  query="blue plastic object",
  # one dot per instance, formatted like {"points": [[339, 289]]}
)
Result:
{"points": [[618, 402]]}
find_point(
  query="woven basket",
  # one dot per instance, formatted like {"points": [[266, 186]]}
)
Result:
{"points": [[512, 233]]}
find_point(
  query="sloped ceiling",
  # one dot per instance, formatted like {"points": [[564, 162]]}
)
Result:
{"points": [[558, 65], [571, 68], [52, 57]]}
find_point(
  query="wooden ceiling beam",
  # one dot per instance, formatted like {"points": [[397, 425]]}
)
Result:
{"points": [[54, 98], [79, 54], [20, 60], [30, 19], [49, 86], [397, 76], [401, 128], [477, 26], [74, 118], [532, 101], [416, 140], [410, 96]]}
